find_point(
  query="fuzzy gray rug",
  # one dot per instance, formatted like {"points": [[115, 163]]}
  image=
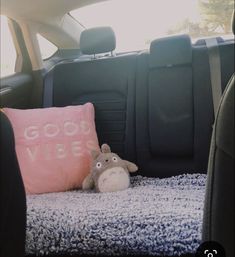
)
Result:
{"points": [[154, 217]]}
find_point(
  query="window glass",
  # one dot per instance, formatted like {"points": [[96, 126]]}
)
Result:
{"points": [[137, 23], [47, 48], [8, 52]]}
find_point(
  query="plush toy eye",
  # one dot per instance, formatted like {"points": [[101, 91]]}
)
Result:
{"points": [[114, 159], [98, 165]]}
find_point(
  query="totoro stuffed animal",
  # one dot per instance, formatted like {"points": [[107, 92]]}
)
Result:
{"points": [[109, 172]]}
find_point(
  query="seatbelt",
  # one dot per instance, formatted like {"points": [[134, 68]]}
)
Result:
{"points": [[215, 71], [48, 90]]}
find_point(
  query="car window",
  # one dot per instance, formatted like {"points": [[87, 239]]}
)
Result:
{"points": [[137, 23], [47, 48], [8, 51]]}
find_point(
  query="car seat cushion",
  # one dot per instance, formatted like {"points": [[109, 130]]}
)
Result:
{"points": [[153, 216], [53, 146]]}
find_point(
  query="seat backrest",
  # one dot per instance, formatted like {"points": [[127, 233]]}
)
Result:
{"points": [[164, 101], [12, 195], [155, 108], [174, 107], [219, 207], [108, 83], [218, 222]]}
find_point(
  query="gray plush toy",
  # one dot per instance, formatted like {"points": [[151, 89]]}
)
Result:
{"points": [[109, 172]]}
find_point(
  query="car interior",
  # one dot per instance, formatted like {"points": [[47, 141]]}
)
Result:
{"points": [[168, 108]]}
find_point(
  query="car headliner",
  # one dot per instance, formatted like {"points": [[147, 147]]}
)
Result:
{"points": [[41, 10]]}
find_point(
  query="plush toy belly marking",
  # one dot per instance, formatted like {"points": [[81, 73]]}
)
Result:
{"points": [[114, 179]]}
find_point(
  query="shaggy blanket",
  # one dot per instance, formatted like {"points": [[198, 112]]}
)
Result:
{"points": [[154, 217]]}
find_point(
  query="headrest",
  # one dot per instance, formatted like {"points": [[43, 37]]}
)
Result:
{"points": [[233, 23], [97, 40], [170, 51]]}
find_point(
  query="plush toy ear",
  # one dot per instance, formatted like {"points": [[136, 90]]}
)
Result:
{"points": [[95, 154], [105, 148], [131, 167]]}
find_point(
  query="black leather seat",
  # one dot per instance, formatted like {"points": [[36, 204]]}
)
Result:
{"points": [[219, 212], [12, 196], [174, 107], [164, 107], [219, 206]]}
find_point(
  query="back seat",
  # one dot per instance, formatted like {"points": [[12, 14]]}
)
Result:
{"points": [[154, 108]]}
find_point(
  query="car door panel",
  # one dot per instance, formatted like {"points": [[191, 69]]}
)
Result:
{"points": [[15, 91]]}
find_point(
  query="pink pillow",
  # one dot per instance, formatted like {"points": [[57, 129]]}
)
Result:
{"points": [[53, 146]]}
